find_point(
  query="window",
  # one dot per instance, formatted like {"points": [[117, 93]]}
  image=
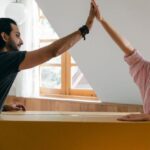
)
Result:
{"points": [[61, 75]]}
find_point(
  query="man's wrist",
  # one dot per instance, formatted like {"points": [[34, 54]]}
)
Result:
{"points": [[84, 30]]}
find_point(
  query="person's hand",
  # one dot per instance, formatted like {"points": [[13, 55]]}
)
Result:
{"points": [[91, 17], [135, 117], [17, 107], [97, 11]]}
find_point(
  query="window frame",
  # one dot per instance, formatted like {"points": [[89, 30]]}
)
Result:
{"points": [[66, 90]]}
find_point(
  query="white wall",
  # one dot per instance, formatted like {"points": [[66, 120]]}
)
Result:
{"points": [[99, 58], [3, 4], [17, 88]]}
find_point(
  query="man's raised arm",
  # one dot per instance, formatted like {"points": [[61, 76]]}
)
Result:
{"points": [[60, 46]]}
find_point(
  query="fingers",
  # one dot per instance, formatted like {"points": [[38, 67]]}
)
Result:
{"points": [[17, 107], [97, 11], [125, 118], [13, 107], [92, 6], [134, 117], [94, 3], [20, 107]]}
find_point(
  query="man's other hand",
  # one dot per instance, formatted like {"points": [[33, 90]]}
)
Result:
{"points": [[16, 107]]}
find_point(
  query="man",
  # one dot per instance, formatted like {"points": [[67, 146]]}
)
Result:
{"points": [[139, 68], [12, 60]]}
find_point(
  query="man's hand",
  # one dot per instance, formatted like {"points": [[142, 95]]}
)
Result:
{"points": [[17, 107], [135, 117], [97, 11], [91, 17]]}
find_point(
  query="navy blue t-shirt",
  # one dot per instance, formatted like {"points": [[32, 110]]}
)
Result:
{"points": [[9, 67]]}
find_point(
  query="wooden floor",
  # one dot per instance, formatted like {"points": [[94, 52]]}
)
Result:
{"points": [[71, 131]]}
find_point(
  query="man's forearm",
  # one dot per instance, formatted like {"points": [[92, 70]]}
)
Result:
{"points": [[37, 57], [43, 54], [62, 45]]}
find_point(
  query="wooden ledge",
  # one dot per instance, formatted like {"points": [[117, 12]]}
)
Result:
{"points": [[61, 116]]}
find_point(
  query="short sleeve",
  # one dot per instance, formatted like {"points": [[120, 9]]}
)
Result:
{"points": [[10, 61]]}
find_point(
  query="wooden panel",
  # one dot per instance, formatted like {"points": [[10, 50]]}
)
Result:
{"points": [[68, 105]]}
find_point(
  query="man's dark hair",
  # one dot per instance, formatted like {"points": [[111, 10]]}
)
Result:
{"points": [[5, 26]]}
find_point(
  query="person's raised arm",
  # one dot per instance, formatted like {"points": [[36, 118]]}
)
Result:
{"points": [[60, 46], [126, 47]]}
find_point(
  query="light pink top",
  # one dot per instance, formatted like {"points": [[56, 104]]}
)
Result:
{"points": [[140, 71]]}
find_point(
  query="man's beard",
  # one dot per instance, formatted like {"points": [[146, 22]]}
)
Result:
{"points": [[12, 46]]}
